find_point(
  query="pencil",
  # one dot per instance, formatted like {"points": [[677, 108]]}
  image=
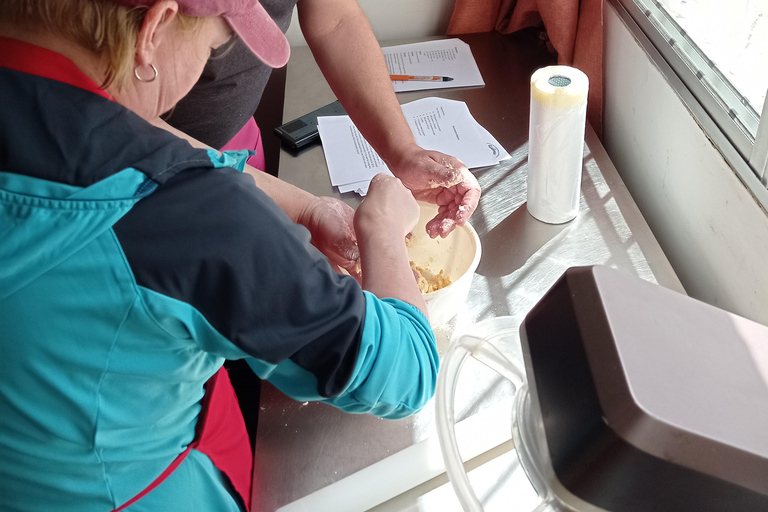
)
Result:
{"points": [[408, 78]]}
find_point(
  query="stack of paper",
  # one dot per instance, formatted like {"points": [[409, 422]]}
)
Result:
{"points": [[438, 124], [442, 57]]}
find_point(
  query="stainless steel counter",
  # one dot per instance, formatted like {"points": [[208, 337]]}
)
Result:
{"points": [[304, 447]]}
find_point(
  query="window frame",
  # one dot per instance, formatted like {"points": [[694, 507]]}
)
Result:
{"points": [[758, 160], [748, 157]]}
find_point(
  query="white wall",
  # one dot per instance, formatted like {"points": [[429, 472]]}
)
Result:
{"points": [[395, 19], [711, 228]]}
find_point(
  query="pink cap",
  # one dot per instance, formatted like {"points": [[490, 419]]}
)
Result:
{"points": [[247, 18]]}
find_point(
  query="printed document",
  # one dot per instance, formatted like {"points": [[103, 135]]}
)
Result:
{"points": [[441, 57], [437, 124]]}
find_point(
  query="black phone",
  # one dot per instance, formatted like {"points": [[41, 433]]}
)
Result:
{"points": [[302, 131]]}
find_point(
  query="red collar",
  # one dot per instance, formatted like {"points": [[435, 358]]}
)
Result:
{"points": [[34, 60]]}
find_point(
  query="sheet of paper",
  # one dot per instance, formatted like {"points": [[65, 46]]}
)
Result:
{"points": [[438, 124], [442, 57], [497, 149], [349, 157], [360, 187]]}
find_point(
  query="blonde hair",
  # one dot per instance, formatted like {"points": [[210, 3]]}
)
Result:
{"points": [[104, 27]]}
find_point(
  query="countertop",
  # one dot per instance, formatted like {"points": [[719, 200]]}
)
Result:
{"points": [[304, 447]]}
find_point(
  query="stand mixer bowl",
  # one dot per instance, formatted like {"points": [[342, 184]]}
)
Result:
{"points": [[527, 428]]}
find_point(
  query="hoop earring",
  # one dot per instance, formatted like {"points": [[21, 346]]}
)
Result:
{"points": [[136, 74]]}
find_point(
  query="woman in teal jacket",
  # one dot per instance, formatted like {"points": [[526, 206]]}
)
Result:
{"points": [[133, 265]]}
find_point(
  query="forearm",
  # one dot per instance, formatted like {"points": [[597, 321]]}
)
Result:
{"points": [[386, 269], [294, 201], [395, 372], [347, 52]]}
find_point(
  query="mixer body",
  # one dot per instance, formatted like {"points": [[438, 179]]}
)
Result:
{"points": [[633, 398]]}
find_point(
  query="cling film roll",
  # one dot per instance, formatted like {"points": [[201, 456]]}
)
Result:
{"points": [[556, 142]]}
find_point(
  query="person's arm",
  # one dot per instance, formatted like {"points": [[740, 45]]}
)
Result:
{"points": [[350, 58], [383, 220], [293, 200], [341, 40], [327, 219], [244, 282]]}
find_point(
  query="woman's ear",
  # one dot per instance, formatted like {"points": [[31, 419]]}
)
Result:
{"points": [[157, 23]]}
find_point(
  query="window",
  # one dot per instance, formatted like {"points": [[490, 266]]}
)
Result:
{"points": [[727, 43], [719, 51]]}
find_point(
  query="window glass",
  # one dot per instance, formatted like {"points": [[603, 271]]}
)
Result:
{"points": [[733, 34]]}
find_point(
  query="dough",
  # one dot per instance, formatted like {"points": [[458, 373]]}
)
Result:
{"points": [[431, 283]]}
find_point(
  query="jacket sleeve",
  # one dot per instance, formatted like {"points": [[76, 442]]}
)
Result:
{"points": [[396, 368], [211, 240]]}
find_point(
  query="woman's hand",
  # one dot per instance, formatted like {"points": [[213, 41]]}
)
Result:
{"points": [[387, 214], [330, 221], [389, 209], [442, 180]]}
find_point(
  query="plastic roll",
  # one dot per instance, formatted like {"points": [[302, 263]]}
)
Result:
{"points": [[556, 143]]}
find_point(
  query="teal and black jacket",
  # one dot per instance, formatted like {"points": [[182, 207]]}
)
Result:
{"points": [[131, 267]]}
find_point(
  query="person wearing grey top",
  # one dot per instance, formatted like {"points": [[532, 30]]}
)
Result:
{"points": [[230, 88], [341, 40]]}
